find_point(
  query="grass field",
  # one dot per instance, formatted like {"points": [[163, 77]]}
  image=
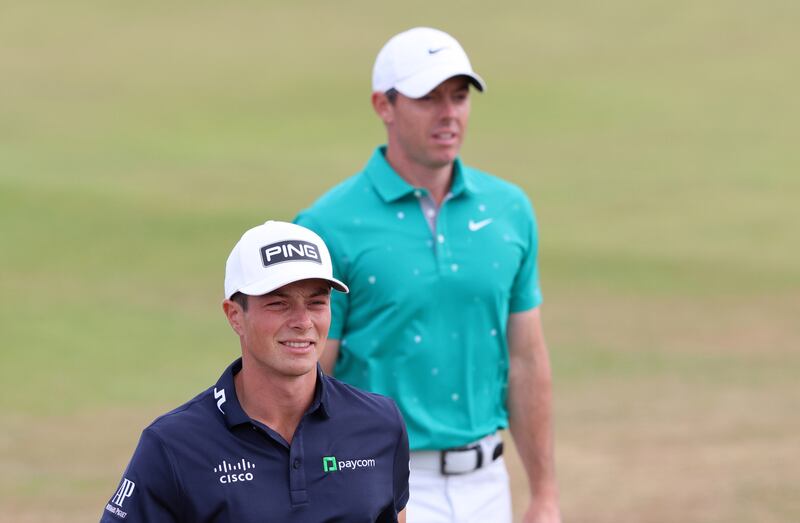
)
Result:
{"points": [[658, 141]]}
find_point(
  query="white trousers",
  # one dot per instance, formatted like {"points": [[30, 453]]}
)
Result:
{"points": [[482, 496]]}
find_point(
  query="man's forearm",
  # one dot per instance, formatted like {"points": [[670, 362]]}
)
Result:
{"points": [[531, 415], [531, 423]]}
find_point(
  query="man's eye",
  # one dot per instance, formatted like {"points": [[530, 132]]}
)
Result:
{"points": [[274, 304]]}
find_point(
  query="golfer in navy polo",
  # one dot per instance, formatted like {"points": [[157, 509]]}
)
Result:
{"points": [[274, 439]]}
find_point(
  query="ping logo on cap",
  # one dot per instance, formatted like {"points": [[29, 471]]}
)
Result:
{"points": [[289, 250]]}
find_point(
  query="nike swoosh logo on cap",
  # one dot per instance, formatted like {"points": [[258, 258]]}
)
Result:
{"points": [[434, 51], [476, 226]]}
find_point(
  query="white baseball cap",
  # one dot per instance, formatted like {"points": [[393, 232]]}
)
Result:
{"points": [[275, 254], [414, 62]]}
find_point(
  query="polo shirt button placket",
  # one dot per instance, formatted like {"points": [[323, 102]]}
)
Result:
{"points": [[439, 251], [443, 252], [297, 477]]}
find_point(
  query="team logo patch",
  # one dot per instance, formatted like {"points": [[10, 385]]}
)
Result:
{"points": [[289, 250]]}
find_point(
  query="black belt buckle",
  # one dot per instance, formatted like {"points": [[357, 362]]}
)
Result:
{"points": [[472, 448]]}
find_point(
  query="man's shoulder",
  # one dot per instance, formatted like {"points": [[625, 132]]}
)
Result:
{"points": [[343, 193], [193, 415], [330, 215], [361, 402], [488, 183]]}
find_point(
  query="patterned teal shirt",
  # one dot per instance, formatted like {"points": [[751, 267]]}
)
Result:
{"points": [[425, 320]]}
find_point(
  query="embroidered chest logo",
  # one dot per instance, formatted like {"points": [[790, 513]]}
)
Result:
{"points": [[477, 226], [235, 472], [331, 464]]}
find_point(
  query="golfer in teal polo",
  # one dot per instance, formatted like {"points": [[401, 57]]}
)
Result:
{"points": [[443, 313]]}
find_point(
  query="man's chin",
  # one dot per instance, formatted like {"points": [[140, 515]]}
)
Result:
{"points": [[443, 159]]}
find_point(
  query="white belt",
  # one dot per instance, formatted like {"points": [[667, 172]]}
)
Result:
{"points": [[459, 460]]}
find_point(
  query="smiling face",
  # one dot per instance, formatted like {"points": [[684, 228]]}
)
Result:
{"points": [[283, 333], [427, 132]]}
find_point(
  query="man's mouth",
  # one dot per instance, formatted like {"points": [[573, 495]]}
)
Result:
{"points": [[445, 138], [298, 344]]}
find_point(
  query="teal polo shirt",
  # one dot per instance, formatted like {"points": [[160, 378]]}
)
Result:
{"points": [[425, 320]]}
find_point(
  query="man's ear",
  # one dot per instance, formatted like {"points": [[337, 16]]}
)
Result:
{"points": [[234, 312], [383, 107]]}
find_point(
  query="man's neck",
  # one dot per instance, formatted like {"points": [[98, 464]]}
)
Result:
{"points": [[277, 403], [437, 180]]}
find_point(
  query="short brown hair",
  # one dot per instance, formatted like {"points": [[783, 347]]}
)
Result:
{"points": [[241, 299]]}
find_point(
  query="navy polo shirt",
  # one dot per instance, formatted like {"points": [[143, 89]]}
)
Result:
{"points": [[208, 461]]}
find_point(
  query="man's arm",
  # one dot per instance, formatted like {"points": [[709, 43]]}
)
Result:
{"points": [[148, 490], [530, 413], [328, 358]]}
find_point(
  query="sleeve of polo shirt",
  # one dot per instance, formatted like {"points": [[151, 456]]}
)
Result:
{"points": [[340, 302], [526, 293], [148, 490], [401, 465]]}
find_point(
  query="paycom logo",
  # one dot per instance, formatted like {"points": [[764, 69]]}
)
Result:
{"points": [[332, 464]]}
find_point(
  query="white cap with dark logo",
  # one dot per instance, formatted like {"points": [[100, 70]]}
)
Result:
{"points": [[414, 62], [275, 254]]}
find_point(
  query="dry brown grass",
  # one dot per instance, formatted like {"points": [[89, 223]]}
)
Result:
{"points": [[707, 434]]}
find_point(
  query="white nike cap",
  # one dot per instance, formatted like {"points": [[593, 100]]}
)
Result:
{"points": [[414, 62], [275, 254]]}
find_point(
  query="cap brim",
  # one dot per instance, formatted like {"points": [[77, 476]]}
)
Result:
{"points": [[424, 82], [267, 286]]}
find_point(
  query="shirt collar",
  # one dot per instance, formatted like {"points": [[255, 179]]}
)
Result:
{"points": [[322, 399], [391, 186], [227, 402]]}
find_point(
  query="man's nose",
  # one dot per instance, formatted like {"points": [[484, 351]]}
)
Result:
{"points": [[449, 108], [300, 318]]}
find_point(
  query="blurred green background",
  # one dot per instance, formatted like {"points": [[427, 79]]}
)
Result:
{"points": [[658, 141]]}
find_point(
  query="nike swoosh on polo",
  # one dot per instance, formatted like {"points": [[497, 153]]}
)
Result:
{"points": [[476, 226]]}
